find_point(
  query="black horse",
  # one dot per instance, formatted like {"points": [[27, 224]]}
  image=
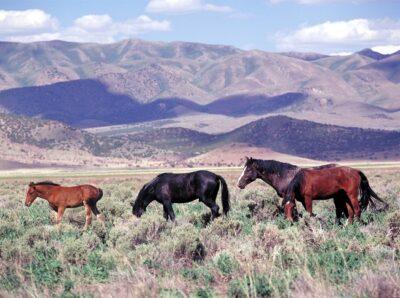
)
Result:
{"points": [[171, 188]]}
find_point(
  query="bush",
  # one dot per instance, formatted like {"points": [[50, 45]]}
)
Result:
{"points": [[98, 267], [45, 269], [226, 263], [9, 281]]}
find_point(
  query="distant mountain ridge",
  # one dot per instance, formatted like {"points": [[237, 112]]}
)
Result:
{"points": [[89, 84], [86, 103], [34, 141]]}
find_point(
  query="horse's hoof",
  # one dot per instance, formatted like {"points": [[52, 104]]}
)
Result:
{"points": [[101, 217]]}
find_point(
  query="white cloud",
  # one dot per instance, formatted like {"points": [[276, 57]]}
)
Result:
{"points": [[36, 25], [184, 6], [26, 21], [101, 28], [341, 35], [387, 49], [341, 54], [93, 22], [310, 2]]}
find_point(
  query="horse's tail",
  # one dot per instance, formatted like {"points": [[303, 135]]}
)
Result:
{"points": [[100, 194], [293, 188], [224, 195], [367, 194]]}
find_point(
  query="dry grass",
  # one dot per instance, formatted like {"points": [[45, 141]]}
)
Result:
{"points": [[249, 254]]}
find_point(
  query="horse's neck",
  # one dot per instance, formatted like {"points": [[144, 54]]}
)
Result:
{"points": [[279, 182], [45, 192]]}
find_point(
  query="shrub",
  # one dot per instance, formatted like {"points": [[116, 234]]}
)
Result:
{"points": [[203, 293], [226, 263], [98, 267], [74, 251], [198, 273], [9, 281], [255, 286], [45, 269]]}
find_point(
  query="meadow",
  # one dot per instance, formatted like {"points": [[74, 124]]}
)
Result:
{"points": [[251, 253]]}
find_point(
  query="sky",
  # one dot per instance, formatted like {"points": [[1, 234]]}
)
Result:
{"points": [[324, 26]]}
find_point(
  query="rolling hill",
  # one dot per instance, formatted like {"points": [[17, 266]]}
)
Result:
{"points": [[286, 136], [124, 79], [28, 142]]}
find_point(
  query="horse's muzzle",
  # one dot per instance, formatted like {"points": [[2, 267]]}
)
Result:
{"points": [[241, 186], [27, 204]]}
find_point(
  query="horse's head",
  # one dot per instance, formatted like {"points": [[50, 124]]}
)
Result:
{"points": [[249, 173], [31, 194], [141, 202]]}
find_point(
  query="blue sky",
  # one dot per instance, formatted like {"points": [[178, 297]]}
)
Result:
{"points": [[327, 26]]}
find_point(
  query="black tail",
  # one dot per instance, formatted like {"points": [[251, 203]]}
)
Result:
{"points": [[224, 195], [293, 188], [367, 194], [100, 195]]}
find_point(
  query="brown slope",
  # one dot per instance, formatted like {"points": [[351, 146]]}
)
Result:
{"points": [[288, 136], [35, 141]]}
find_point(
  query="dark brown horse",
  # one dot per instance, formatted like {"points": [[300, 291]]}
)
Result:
{"points": [[280, 176], [61, 197]]}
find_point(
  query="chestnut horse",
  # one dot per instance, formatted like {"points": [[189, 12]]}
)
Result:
{"points": [[61, 197], [280, 175], [343, 184]]}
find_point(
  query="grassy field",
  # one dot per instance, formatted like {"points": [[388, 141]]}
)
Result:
{"points": [[252, 253]]}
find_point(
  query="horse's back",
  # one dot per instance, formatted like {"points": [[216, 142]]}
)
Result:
{"points": [[329, 180], [184, 187]]}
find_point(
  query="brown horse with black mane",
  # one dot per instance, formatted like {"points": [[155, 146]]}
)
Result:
{"points": [[343, 184], [308, 184], [61, 197]]}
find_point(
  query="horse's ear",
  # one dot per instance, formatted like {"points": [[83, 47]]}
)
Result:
{"points": [[31, 184]]}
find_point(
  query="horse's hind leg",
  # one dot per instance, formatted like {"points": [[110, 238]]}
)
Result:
{"points": [[88, 215], [209, 197], [96, 211], [213, 206]]}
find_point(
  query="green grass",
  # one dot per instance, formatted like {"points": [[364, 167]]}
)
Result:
{"points": [[249, 254]]}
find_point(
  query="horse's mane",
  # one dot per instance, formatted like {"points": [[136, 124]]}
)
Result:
{"points": [[143, 192], [273, 166], [45, 183]]}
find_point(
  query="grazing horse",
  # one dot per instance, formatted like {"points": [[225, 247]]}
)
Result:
{"points": [[61, 197], [279, 175], [171, 188]]}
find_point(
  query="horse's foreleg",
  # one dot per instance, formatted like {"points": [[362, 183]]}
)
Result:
{"points": [[339, 209], [165, 212], [88, 215], [170, 211], [288, 208], [60, 213]]}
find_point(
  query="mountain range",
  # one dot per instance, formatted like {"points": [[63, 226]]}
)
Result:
{"points": [[176, 101], [129, 80]]}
